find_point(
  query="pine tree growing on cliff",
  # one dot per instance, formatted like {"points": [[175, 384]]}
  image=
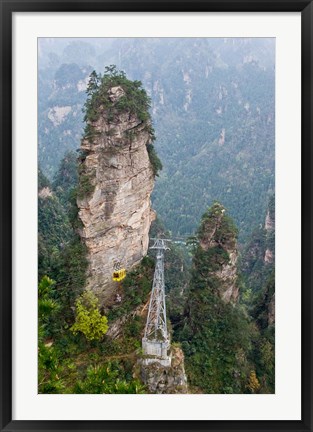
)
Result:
{"points": [[93, 83], [134, 100], [215, 334]]}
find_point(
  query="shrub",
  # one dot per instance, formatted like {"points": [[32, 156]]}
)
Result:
{"points": [[154, 160], [85, 187], [89, 320]]}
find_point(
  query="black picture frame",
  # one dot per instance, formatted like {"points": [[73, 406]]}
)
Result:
{"points": [[7, 9]]}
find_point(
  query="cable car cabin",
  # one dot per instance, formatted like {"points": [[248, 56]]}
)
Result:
{"points": [[119, 275]]}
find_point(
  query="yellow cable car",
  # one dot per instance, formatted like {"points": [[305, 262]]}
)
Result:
{"points": [[119, 275]]}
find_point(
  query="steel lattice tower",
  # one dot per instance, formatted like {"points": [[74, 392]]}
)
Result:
{"points": [[156, 339]]}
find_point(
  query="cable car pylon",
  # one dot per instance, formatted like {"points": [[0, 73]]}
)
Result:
{"points": [[156, 341]]}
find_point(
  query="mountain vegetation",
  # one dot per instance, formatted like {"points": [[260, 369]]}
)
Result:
{"points": [[85, 346], [214, 125], [214, 139], [88, 319], [134, 101], [228, 348], [259, 253], [75, 353], [215, 335]]}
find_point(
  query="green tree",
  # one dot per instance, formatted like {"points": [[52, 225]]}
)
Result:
{"points": [[47, 305], [107, 378], [253, 384], [154, 159], [66, 178], [93, 83], [49, 365], [89, 320]]}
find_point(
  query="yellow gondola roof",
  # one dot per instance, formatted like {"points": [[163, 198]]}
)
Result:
{"points": [[119, 275]]}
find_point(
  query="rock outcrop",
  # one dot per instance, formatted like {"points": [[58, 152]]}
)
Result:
{"points": [[269, 221], [271, 311], [166, 379], [217, 237], [268, 256], [45, 192], [258, 258], [116, 181], [269, 228]]}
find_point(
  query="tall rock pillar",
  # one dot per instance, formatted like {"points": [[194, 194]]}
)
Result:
{"points": [[116, 181]]}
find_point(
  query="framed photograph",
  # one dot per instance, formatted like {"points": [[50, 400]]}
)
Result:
{"points": [[156, 215]]}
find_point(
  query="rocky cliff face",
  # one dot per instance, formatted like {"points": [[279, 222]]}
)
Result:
{"points": [[269, 228], [166, 379], [116, 181], [258, 258], [217, 238]]}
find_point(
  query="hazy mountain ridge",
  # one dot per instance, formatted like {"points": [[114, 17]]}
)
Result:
{"points": [[213, 112]]}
